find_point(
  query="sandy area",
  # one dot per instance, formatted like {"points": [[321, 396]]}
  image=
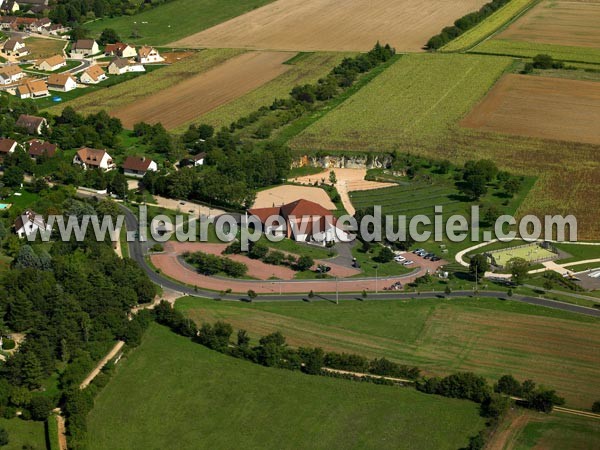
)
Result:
{"points": [[352, 25], [550, 108], [282, 195], [188, 100]]}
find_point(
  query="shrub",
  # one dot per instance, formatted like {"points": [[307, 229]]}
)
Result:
{"points": [[8, 344]]}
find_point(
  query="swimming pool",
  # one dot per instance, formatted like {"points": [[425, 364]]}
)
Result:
{"points": [[4, 206]]}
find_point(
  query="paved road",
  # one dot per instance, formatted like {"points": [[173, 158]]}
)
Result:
{"points": [[136, 252]]}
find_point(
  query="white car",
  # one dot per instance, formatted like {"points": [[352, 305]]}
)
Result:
{"points": [[408, 263], [399, 258]]}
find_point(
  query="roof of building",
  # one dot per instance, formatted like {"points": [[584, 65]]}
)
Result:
{"points": [[91, 156], [119, 62], [12, 44], [117, 47], [39, 148], [200, 156], [137, 163], [34, 2], [29, 216], [145, 51], [31, 123], [10, 70], [94, 72], [52, 61], [6, 145], [59, 79], [84, 44]]}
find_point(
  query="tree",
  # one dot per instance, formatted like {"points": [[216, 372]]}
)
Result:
{"points": [[544, 400], [40, 407], [13, 176], [118, 185], [252, 294], [596, 407], [385, 255], [512, 186], [495, 406], [507, 384], [312, 359], [475, 186], [519, 269], [32, 373], [3, 437], [109, 36], [304, 263], [243, 340], [447, 291], [479, 265], [332, 177]]}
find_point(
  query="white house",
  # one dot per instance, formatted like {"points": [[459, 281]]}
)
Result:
{"points": [[148, 55], [29, 223], [92, 75], [119, 66], [94, 159], [7, 146], [137, 166], [199, 159], [84, 47], [33, 89], [50, 64], [63, 82], [11, 74], [303, 221], [10, 6], [15, 47], [120, 50]]}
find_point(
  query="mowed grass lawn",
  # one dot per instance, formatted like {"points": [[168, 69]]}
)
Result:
{"points": [[174, 20], [486, 336], [147, 84], [306, 68], [24, 434], [172, 390], [415, 100]]}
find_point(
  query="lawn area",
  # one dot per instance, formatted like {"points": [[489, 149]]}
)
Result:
{"points": [[23, 201], [522, 49], [215, 401], [24, 434], [579, 252], [559, 431], [307, 68], [173, 20], [424, 94], [489, 337], [290, 246], [492, 24], [44, 48], [148, 84], [84, 95]]}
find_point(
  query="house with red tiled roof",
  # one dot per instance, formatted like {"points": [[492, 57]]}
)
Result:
{"points": [[92, 158], [7, 146], [302, 220], [121, 50], [37, 148], [137, 166]]}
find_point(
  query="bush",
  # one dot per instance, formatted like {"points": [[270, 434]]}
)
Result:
{"points": [[40, 408], [596, 407], [304, 263], [8, 344]]}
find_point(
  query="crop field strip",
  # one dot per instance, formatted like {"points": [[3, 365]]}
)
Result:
{"points": [[148, 84], [489, 337], [312, 25], [198, 94], [550, 108], [304, 68], [205, 395]]}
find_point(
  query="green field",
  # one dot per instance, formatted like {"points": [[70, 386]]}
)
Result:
{"points": [[489, 337], [414, 102], [489, 26], [22, 433], [173, 20], [203, 399], [530, 49], [150, 83], [530, 253], [558, 432], [307, 68]]}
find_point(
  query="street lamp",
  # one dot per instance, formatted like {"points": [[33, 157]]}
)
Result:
{"points": [[376, 267], [337, 291]]}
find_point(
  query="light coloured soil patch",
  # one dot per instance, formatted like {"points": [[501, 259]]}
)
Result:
{"points": [[573, 23], [173, 57], [285, 194], [548, 108], [202, 93], [311, 25]]}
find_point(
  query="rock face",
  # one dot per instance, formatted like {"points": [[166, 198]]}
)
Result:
{"points": [[380, 161]]}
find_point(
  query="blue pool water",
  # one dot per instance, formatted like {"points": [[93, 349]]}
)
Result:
{"points": [[4, 206]]}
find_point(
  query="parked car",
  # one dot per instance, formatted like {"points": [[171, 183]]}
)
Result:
{"points": [[408, 263]]}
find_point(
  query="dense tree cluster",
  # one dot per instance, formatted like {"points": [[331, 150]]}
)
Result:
{"points": [[273, 257], [535, 397], [463, 24], [208, 264]]}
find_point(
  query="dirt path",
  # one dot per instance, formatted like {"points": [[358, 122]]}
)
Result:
{"points": [[505, 438], [62, 432], [188, 100], [94, 373]]}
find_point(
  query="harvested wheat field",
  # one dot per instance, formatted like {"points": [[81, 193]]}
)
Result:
{"points": [[197, 95], [550, 108], [282, 195], [573, 23], [355, 25]]}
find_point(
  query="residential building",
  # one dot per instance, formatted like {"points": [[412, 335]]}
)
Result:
{"points": [[63, 82], [33, 124], [33, 89], [50, 64], [84, 47], [303, 221], [15, 47], [39, 25], [94, 159], [121, 50], [119, 66], [29, 223], [199, 159], [7, 146], [137, 166], [11, 74], [92, 75], [148, 55], [9, 7], [37, 148]]}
